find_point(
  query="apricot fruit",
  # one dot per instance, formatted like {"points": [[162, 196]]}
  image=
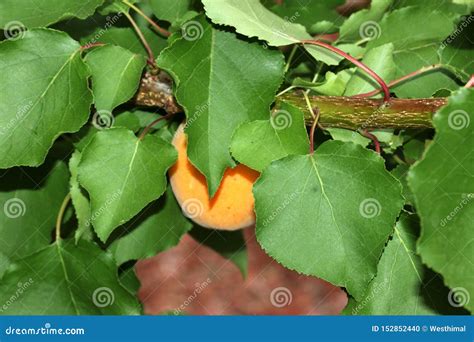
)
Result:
{"points": [[231, 207]]}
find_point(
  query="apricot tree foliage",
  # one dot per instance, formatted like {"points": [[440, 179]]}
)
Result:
{"points": [[361, 127]]}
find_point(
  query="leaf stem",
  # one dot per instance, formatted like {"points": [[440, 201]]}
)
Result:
{"points": [[470, 83], [372, 137], [147, 128], [161, 30], [402, 79], [91, 45], [59, 218], [151, 57], [290, 58], [356, 62]]}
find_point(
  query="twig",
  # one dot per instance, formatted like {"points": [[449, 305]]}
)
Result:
{"points": [[356, 62], [147, 128], [161, 30], [151, 57], [373, 138], [402, 79]]}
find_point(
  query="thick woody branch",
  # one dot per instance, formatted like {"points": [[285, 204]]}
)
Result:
{"points": [[362, 113], [334, 111]]}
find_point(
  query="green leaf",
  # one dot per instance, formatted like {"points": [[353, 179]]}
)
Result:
{"points": [[324, 214], [234, 82], [363, 24], [424, 85], [79, 200], [44, 94], [258, 143], [116, 74], [159, 227], [412, 27], [444, 194], [122, 174], [127, 38], [38, 13], [348, 136], [401, 173], [65, 279], [309, 12], [402, 282], [115, 6], [252, 19], [229, 244], [334, 84], [170, 10], [130, 281], [380, 60], [456, 52], [29, 205]]}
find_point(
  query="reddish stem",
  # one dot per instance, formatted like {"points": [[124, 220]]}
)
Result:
{"points": [[402, 79], [470, 83], [91, 45], [147, 128], [374, 140], [356, 62], [161, 30], [331, 37], [151, 57]]}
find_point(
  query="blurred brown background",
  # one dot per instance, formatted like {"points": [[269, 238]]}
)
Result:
{"points": [[198, 280]]}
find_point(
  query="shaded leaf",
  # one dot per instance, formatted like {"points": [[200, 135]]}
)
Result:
{"points": [[402, 285], [66, 279], [29, 206], [444, 194], [159, 227], [230, 244]]}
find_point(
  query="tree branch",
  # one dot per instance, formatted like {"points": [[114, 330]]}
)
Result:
{"points": [[353, 113]]}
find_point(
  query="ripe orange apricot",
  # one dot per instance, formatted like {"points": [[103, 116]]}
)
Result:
{"points": [[231, 207]]}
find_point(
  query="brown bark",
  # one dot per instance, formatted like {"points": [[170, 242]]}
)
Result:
{"points": [[335, 111]]}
